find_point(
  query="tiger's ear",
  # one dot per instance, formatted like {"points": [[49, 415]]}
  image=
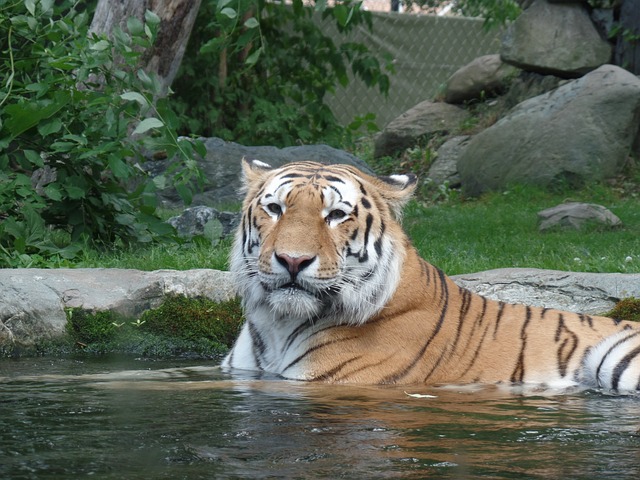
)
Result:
{"points": [[253, 172], [397, 190]]}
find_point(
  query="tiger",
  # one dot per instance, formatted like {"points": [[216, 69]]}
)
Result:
{"points": [[334, 291]]}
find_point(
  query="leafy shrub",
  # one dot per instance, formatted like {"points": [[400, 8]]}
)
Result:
{"points": [[67, 112], [256, 71]]}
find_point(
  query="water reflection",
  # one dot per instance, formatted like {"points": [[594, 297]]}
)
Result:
{"points": [[63, 417]]}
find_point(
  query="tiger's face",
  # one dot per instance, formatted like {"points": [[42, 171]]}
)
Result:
{"points": [[318, 241]]}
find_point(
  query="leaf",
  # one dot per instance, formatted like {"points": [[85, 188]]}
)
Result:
{"points": [[253, 58], [212, 45], [23, 116], [100, 45], [147, 124], [31, 6], [229, 12], [34, 157], [185, 193], [53, 192], [151, 18], [74, 193], [119, 167], [419, 395], [47, 127], [341, 13], [160, 182], [135, 26], [251, 22], [125, 219], [136, 97]]}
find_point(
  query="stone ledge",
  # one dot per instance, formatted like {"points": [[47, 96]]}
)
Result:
{"points": [[33, 301], [591, 293]]}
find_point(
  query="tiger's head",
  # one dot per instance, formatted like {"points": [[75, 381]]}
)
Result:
{"points": [[319, 241]]}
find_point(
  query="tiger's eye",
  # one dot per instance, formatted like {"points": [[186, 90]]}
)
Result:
{"points": [[274, 208], [336, 214]]}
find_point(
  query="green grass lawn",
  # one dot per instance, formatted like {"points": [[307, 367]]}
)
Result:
{"points": [[501, 230], [461, 236]]}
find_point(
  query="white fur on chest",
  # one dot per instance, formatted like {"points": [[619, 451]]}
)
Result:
{"points": [[272, 344]]}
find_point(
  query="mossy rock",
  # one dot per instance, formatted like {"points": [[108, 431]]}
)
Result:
{"points": [[626, 309], [181, 326], [195, 319], [90, 327]]}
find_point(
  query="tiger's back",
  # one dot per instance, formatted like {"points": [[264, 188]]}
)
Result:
{"points": [[334, 291]]}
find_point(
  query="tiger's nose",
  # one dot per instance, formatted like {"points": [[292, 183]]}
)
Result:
{"points": [[294, 265]]}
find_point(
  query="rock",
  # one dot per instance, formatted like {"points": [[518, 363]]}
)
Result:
{"points": [[426, 118], [575, 215], [485, 75], [445, 167], [33, 301], [555, 38], [192, 221], [578, 133], [591, 293], [222, 168]]}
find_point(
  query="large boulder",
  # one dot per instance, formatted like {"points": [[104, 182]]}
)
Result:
{"points": [[425, 119], [485, 75], [444, 169], [195, 221], [580, 132], [555, 38], [222, 168]]}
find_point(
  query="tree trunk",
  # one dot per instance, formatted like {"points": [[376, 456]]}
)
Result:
{"points": [[176, 21]]}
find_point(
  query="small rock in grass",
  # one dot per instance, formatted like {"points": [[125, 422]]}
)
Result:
{"points": [[575, 215]]}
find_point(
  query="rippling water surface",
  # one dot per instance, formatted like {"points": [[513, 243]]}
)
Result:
{"points": [[64, 418]]}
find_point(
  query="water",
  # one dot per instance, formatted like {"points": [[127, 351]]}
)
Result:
{"points": [[134, 419]]}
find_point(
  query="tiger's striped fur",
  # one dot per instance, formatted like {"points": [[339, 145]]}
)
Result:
{"points": [[333, 290]]}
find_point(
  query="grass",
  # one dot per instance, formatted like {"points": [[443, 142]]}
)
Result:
{"points": [[460, 235], [191, 255], [500, 230]]}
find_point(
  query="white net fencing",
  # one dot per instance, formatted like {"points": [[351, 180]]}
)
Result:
{"points": [[425, 51]]}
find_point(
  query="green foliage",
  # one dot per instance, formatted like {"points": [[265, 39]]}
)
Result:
{"points": [[68, 161], [256, 72], [496, 13], [626, 309]]}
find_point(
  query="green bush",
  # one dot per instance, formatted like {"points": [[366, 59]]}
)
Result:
{"points": [[69, 170], [256, 72]]}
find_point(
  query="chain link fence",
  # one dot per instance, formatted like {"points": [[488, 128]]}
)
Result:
{"points": [[425, 51]]}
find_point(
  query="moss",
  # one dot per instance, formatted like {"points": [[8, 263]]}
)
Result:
{"points": [[195, 319], [626, 309], [193, 327], [88, 327]]}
